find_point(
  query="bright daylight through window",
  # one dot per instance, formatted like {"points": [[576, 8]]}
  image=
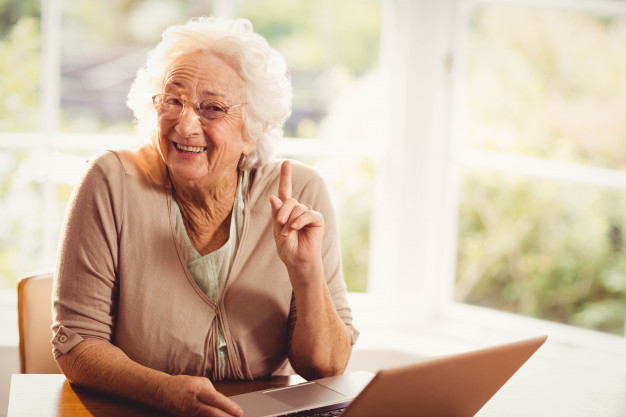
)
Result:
{"points": [[542, 216], [536, 133]]}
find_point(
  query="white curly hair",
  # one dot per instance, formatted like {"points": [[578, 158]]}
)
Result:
{"points": [[267, 89]]}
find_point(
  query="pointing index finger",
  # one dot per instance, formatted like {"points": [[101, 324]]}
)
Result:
{"points": [[284, 183]]}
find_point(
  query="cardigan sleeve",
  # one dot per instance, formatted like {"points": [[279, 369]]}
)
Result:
{"points": [[85, 282]]}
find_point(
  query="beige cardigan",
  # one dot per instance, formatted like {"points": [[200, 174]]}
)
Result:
{"points": [[121, 275]]}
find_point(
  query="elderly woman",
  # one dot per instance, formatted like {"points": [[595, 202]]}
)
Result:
{"points": [[194, 257]]}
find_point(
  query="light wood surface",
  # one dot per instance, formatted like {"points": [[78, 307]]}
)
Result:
{"points": [[40, 395]]}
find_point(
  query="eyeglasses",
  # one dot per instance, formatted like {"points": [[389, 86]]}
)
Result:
{"points": [[170, 106]]}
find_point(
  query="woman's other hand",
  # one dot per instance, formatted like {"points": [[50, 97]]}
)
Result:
{"points": [[298, 229], [99, 365], [185, 396]]}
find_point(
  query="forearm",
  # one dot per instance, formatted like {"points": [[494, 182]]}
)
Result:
{"points": [[320, 345], [101, 366]]}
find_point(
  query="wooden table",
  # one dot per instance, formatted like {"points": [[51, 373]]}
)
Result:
{"points": [[52, 396], [545, 387]]}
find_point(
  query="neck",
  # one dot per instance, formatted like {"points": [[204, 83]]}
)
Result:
{"points": [[206, 211]]}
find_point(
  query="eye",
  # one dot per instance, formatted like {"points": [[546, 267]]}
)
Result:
{"points": [[212, 106], [212, 109], [172, 101]]}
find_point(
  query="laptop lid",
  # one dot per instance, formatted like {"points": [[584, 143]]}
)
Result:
{"points": [[455, 385]]}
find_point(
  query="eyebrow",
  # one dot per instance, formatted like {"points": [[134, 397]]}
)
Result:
{"points": [[169, 82], [204, 93], [208, 93], [178, 84]]}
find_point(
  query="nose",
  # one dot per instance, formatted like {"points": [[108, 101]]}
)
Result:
{"points": [[188, 123]]}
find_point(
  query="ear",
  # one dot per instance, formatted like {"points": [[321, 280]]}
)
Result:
{"points": [[248, 146]]}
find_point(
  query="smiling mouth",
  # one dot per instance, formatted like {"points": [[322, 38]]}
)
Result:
{"points": [[189, 149]]}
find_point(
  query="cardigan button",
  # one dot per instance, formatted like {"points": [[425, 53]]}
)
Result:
{"points": [[63, 338]]}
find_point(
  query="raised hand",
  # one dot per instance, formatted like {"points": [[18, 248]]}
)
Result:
{"points": [[298, 229], [320, 343]]}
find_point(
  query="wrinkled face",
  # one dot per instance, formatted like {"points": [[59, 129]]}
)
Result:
{"points": [[197, 150]]}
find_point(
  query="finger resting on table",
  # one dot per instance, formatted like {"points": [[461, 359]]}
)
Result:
{"points": [[217, 404], [208, 411]]}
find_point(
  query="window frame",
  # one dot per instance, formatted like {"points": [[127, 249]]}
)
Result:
{"points": [[414, 247]]}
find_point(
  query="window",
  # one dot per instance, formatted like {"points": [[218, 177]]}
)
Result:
{"points": [[19, 112], [472, 147], [542, 204], [52, 120]]}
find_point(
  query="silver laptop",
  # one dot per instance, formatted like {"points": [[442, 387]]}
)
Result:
{"points": [[455, 385]]}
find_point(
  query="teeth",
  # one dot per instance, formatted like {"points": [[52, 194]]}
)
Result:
{"points": [[192, 149]]}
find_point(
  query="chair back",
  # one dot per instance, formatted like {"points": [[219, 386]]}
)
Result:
{"points": [[34, 312]]}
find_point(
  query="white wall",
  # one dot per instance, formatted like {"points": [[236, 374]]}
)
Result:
{"points": [[9, 354], [9, 364]]}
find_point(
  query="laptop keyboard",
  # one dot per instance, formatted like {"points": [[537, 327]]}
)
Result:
{"points": [[326, 411]]}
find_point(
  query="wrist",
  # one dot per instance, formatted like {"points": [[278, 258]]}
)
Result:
{"points": [[158, 387], [308, 274]]}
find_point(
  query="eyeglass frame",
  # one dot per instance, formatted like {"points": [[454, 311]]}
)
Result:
{"points": [[195, 106]]}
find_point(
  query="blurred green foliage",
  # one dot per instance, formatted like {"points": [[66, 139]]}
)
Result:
{"points": [[318, 35], [354, 215], [11, 11], [19, 80], [540, 85], [19, 112], [543, 249]]}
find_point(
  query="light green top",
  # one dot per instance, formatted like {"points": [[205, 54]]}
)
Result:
{"points": [[211, 270]]}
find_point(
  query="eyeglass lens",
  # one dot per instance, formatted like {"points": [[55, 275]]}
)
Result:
{"points": [[171, 106]]}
